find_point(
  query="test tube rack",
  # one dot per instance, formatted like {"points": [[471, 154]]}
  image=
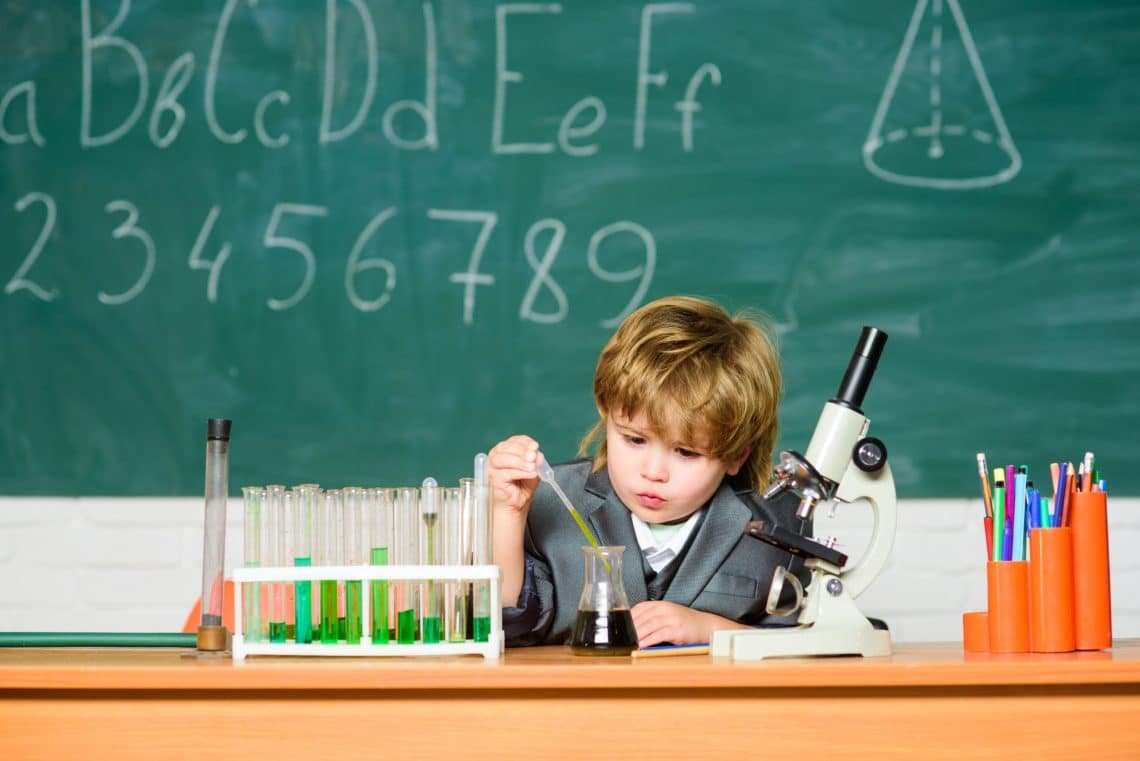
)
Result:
{"points": [[492, 649]]}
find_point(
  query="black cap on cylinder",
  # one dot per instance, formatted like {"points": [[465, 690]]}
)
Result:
{"points": [[218, 429], [864, 360]]}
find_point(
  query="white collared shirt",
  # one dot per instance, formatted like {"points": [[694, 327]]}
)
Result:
{"points": [[659, 555]]}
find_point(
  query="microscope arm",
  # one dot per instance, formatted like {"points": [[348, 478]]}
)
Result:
{"points": [[878, 488]]}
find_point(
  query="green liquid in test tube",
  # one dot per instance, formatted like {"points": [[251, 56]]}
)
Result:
{"points": [[303, 605], [328, 612], [406, 627], [353, 611]]}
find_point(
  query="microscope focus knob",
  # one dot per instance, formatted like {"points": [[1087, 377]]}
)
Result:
{"points": [[870, 454]]}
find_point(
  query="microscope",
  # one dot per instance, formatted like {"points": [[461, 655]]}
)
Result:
{"points": [[842, 464]]}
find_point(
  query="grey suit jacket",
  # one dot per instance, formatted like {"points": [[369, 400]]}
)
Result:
{"points": [[723, 571]]}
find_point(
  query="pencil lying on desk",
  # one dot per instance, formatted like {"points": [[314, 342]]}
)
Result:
{"points": [[659, 651]]}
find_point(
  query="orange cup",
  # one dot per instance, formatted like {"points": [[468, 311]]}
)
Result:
{"points": [[1092, 598], [1007, 592], [1051, 622], [976, 631]]}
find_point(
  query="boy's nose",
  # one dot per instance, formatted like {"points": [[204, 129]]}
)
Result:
{"points": [[654, 467]]}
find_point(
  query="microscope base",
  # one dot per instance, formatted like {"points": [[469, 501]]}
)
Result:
{"points": [[799, 641]]}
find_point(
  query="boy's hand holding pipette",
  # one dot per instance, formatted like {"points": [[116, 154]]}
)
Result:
{"points": [[513, 478], [512, 474]]}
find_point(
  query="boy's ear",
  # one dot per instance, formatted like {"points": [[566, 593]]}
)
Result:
{"points": [[734, 466]]}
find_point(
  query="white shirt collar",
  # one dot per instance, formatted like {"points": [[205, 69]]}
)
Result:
{"points": [[659, 556]]}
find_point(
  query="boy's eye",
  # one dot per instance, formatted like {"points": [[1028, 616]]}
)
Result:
{"points": [[634, 439], [687, 453]]}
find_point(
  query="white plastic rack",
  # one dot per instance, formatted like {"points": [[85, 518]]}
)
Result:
{"points": [[491, 649]]}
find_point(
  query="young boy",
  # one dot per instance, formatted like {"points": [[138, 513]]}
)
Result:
{"points": [[687, 397]]}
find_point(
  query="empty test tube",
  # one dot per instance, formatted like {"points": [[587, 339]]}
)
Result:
{"points": [[304, 517], [353, 539], [379, 536], [252, 622], [455, 592], [431, 622], [406, 551]]}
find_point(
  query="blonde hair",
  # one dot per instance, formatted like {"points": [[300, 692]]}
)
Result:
{"points": [[690, 367]]}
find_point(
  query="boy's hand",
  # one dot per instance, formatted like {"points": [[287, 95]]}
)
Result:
{"points": [[658, 621], [511, 473]]}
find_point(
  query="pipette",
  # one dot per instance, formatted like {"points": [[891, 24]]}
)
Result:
{"points": [[547, 474]]}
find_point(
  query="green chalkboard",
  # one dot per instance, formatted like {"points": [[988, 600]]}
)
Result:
{"points": [[380, 236]]}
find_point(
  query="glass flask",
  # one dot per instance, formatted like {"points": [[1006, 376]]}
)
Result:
{"points": [[603, 625]]}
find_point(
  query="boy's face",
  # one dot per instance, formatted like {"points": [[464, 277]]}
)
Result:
{"points": [[660, 478]]}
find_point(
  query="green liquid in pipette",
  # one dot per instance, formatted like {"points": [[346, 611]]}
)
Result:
{"points": [[406, 626], [328, 612], [481, 628], [547, 474], [379, 600], [352, 607], [432, 627], [303, 605], [276, 631]]}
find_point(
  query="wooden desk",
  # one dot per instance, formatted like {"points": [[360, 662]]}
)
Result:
{"points": [[925, 701]]}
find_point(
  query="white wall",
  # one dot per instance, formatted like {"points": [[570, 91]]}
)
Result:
{"points": [[105, 564]]}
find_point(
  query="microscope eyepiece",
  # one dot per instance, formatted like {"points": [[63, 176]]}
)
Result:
{"points": [[861, 368]]}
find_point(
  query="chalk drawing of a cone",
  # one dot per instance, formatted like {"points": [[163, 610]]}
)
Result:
{"points": [[938, 124]]}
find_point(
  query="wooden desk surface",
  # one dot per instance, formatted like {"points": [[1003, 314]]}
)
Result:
{"points": [[914, 665], [930, 700]]}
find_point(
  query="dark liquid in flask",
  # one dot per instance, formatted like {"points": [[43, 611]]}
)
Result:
{"points": [[609, 633]]}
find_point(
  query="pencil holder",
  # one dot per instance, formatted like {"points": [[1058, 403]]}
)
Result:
{"points": [[1051, 590], [1092, 598], [1007, 592], [976, 631]]}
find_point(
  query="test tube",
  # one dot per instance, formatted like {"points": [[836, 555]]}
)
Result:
{"points": [[431, 623], [273, 551], [304, 515], [251, 533], [406, 551], [379, 534], [481, 615], [329, 509], [340, 606], [211, 633], [287, 592], [455, 592], [353, 539]]}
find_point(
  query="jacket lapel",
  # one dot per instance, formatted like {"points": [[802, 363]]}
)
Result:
{"points": [[611, 523], [718, 534]]}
